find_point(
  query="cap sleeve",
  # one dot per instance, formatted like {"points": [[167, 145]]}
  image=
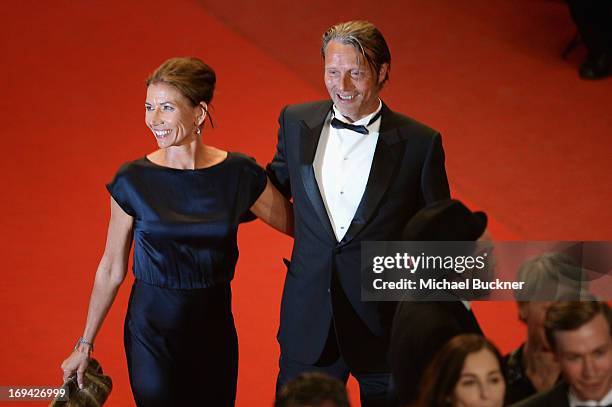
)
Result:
{"points": [[120, 189], [252, 183]]}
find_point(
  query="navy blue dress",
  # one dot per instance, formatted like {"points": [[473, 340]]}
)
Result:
{"points": [[180, 339]]}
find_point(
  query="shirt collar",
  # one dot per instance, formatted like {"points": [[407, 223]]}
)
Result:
{"points": [[363, 121], [575, 401]]}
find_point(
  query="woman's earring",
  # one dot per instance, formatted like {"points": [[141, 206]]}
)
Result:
{"points": [[198, 130]]}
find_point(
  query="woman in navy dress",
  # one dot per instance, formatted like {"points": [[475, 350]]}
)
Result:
{"points": [[181, 206]]}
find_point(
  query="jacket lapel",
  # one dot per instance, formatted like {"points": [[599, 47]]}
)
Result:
{"points": [[310, 132], [558, 396], [381, 174], [464, 316]]}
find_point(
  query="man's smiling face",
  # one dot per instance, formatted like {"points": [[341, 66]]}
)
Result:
{"points": [[352, 84]]}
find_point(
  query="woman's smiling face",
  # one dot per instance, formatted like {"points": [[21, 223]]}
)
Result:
{"points": [[170, 115]]}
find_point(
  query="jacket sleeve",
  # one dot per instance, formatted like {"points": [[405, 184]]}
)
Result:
{"points": [[434, 183]]}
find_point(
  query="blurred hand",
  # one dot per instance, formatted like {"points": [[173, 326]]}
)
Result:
{"points": [[77, 363]]}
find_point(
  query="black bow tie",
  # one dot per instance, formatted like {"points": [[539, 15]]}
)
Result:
{"points": [[338, 124]]}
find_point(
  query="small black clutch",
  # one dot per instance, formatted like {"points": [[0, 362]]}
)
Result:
{"points": [[97, 389]]}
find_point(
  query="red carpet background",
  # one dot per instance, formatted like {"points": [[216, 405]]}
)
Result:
{"points": [[526, 141]]}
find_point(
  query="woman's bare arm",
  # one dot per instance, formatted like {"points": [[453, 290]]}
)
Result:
{"points": [[109, 276], [274, 209]]}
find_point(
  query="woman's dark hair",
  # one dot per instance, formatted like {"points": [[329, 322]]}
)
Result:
{"points": [[442, 375], [192, 77]]}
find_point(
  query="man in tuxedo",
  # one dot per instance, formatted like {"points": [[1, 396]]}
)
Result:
{"points": [[357, 171], [422, 328], [580, 334]]}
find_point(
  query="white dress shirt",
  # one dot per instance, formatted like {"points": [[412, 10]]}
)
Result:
{"points": [[342, 166], [575, 401]]}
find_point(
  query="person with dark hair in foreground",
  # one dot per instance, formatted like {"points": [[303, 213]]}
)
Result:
{"points": [[357, 171], [181, 206], [421, 328], [467, 372], [312, 390], [580, 335]]}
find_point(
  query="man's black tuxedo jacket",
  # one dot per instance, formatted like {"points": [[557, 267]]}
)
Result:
{"points": [[555, 397], [420, 330], [407, 173]]}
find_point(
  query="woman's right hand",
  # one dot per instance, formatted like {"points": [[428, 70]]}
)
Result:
{"points": [[77, 363]]}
